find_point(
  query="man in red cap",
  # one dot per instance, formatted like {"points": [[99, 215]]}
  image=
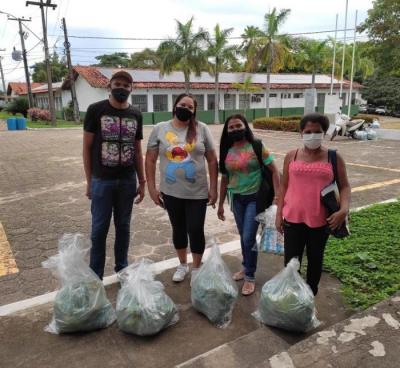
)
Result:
{"points": [[113, 163]]}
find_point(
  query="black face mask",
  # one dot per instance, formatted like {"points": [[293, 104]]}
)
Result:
{"points": [[120, 94], [183, 114], [237, 135]]}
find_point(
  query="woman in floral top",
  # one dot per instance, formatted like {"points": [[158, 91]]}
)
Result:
{"points": [[241, 180]]}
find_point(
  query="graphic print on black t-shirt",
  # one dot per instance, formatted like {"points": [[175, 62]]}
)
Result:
{"points": [[118, 135]]}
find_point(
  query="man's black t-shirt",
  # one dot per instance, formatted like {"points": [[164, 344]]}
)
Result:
{"points": [[113, 150]]}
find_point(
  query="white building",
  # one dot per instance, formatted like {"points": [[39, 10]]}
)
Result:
{"points": [[154, 94]]}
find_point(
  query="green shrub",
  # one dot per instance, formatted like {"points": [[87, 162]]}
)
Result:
{"points": [[283, 123], [69, 111], [18, 105]]}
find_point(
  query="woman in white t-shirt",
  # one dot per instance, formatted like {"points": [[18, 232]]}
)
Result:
{"points": [[184, 145]]}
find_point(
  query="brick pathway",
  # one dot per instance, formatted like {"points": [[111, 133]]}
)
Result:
{"points": [[42, 197]]}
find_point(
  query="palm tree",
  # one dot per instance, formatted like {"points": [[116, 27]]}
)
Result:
{"points": [[270, 49], [314, 58], [186, 52], [223, 55], [250, 37], [363, 66]]}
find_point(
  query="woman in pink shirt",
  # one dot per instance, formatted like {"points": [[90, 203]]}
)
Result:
{"points": [[301, 216]]}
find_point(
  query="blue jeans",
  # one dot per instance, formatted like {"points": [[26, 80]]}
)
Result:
{"points": [[244, 210], [108, 197]]}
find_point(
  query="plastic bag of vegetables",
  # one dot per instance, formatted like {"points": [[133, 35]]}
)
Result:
{"points": [[287, 301], [143, 307], [213, 291], [81, 304]]}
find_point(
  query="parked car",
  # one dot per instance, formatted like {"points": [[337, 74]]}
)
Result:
{"points": [[371, 109], [363, 109], [396, 113], [381, 110]]}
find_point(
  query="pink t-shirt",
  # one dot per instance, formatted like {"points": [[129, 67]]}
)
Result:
{"points": [[302, 202]]}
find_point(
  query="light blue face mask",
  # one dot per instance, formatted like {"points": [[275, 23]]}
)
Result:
{"points": [[313, 140]]}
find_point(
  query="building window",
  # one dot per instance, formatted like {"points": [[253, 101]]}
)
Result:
{"points": [[139, 102], [256, 97], [200, 102], [211, 102], [244, 101], [320, 99], [273, 95], [344, 99], [298, 95], [160, 103], [229, 101], [58, 103], [286, 95]]}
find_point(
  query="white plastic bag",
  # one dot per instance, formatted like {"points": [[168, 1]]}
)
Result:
{"points": [[81, 304], [143, 307], [214, 293], [270, 241], [287, 301]]}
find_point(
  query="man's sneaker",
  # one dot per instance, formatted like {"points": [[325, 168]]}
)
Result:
{"points": [[180, 273], [195, 271]]}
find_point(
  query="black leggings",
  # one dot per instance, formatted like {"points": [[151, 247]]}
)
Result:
{"points": [[300, 236], [187, 217]]}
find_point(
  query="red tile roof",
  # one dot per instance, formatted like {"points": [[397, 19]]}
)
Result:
{"points": [[21, 88], [98, 80], [92, 75]]}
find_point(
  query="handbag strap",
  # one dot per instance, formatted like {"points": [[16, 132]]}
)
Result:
{"points": [[332, 158]]}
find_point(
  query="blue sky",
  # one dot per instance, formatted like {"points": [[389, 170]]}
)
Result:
{"points": [[154, 19]]}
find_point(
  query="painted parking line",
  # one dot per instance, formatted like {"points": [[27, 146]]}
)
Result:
{"points": [[373, 167], [8, 265], [354, 164], [375, 185]]}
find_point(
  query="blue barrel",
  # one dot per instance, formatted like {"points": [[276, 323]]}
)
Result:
{"points": [[12, 123], [21, 123]]}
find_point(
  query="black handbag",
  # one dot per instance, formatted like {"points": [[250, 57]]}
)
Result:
{"points": [[330, 198], [266, 193]]}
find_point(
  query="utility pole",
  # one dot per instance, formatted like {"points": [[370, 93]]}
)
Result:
{"points": [[70, 72], [344, 50], [27, 77], [352, 66], [2, 78], [42, 5], [334, 56]]}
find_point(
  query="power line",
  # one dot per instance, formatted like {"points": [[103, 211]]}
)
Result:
{"points": [[167, 39]]}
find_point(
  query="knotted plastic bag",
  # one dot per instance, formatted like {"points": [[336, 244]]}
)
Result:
{"points": [[214, 293], [143, 307], [81, 304], [287, 301], [270, 240]]}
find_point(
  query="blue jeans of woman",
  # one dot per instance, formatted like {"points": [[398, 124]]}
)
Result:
{"points": [[244, 211], [109, 197]]}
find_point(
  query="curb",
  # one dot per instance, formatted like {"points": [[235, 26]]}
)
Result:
{"points": [[159, 267]]}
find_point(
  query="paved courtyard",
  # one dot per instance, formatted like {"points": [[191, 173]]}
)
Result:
{"points": [[42, 197]]}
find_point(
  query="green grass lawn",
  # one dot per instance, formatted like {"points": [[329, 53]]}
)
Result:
{"points": [[368, 262], [42, 124]]}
